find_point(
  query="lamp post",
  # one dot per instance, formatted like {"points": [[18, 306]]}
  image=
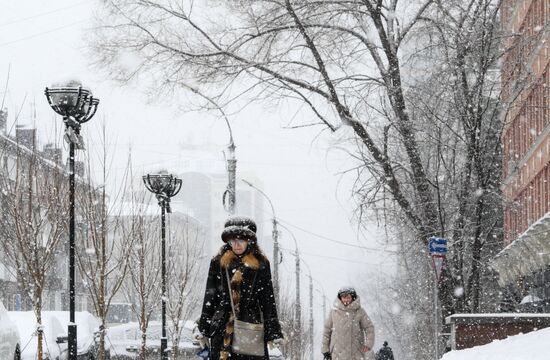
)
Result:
{"points": [[310, 310], [164, 186], [298, 312], [230, 194], [77, 106], [275, 236], [229, 198], [322, 293], [325, 299]]}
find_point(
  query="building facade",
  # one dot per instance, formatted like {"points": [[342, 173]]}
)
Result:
{"points": [[523, 265], [23, 169]]}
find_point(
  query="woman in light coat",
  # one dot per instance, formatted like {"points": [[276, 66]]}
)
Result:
{"points": [[349, 333]]}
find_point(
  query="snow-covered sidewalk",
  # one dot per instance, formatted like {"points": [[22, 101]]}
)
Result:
{"points": [[531, 346]]}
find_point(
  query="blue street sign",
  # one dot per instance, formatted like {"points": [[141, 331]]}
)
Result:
{"points": [[437, 245]]}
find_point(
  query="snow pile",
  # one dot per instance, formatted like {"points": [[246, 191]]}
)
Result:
{"points": [[530, 299], [87, 324], [9, 335], [531, 346], [27, 326]]}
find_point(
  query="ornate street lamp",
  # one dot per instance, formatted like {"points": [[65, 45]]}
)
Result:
{"points": [[77, 106], [164, 186], [229, 199]]}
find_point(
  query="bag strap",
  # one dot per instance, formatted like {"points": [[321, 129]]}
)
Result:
{"points": [[253, 284], [230, 294], [250, 294]]}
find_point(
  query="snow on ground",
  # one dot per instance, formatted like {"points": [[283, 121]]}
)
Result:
{"points": [[86, 323], [27, 326], [531, 346]]}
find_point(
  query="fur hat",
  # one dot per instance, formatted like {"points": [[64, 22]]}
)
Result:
{"points": [[240, 227], [241, 221], [348, 290]]}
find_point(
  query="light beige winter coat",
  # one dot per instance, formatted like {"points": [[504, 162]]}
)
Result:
{"points": [[347, 329]]}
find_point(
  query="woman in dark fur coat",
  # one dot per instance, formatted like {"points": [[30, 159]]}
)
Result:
{"points": [[251, 289]]}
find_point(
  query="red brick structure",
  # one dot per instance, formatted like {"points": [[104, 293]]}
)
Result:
{"points": [[469, 330], [525, 89], [525, 81]]}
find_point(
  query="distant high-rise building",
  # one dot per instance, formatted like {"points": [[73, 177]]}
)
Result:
{"points": [[201, 196]]}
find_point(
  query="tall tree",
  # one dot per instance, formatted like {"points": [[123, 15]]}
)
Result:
{"points": [[409, 83], [141, 285], [104, 260], [186, 274]]}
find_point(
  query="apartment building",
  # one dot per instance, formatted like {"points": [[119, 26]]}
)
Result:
{"points": [[524, 264]]}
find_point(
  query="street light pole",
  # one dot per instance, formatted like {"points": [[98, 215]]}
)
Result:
{"points": [[77, 106], [322, 291], [72, 331], [275, 236], [311, 324], [298, 312], [229, 198], [164, 338], [311, 315], [231, 173], [164, 186]]}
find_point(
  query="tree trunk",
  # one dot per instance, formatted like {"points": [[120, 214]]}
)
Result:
{"points": [[143, 348], [40, 332]]}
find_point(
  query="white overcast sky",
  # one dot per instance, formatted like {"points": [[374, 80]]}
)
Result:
{"points": [[41, 43]]}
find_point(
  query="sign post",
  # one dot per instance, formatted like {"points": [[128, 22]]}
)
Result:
{"points": [[438, 252]]}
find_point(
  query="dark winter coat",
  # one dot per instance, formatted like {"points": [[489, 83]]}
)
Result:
{"points": [[252, 294], [384, 353]]}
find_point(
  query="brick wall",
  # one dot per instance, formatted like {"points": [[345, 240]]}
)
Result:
{"points": [[469, 330], [525, 74]]}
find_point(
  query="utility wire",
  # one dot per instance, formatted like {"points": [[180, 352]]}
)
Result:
{"points": [[292, 252], [324, 237], [41, 14], [332, 240], [41, 33]]}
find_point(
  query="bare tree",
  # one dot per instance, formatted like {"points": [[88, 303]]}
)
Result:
{"points": [[185, 274], [402, 303], [286, 311], [141, 286], [103, 261], [410, 86], [33, 196]]}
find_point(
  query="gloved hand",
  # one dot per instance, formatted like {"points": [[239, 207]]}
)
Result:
{"points": [[275, 343], [198, 336], [327, 356]]}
